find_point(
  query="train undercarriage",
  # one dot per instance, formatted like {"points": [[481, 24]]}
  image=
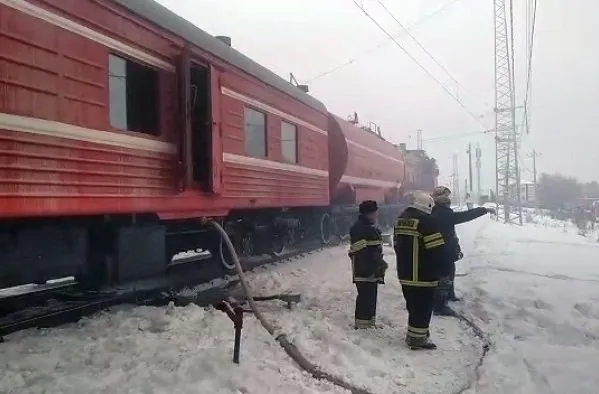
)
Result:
{"points": [[114, 250]]}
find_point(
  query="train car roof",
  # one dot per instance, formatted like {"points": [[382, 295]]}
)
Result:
{"points": [[172, 22]]}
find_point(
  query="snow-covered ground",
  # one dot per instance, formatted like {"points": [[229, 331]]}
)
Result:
{"points": [[533, 289]]}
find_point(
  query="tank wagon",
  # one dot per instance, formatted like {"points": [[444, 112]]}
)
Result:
{"points": [[123, 127]]}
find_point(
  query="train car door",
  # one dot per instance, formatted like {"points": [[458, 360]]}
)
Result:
{"points": [[200, 114], [217, 136]]}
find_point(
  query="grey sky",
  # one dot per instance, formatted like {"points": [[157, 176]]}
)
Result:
{"points": [[308, 37]]}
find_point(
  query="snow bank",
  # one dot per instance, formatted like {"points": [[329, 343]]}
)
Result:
{"points": [[322, 328], [535, 290], [150, 350], [189, 349]]}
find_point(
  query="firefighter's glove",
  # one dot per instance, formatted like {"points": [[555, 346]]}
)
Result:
{"points": [[382, 268], [384, 265], [445, 283], [459, 256]]}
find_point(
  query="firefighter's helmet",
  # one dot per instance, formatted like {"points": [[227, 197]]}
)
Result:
{"points": [[422, 202]]}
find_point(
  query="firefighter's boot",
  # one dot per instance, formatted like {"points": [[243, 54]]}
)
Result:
{"points": [[360, 324], [420, 343], [376, 325]]}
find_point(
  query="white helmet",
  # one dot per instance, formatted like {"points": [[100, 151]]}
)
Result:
{"points": [[422, 202]]}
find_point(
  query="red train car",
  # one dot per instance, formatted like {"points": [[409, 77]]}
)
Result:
{"points": [[122, 108], [364, 166], [91, 110], [121, 124]]}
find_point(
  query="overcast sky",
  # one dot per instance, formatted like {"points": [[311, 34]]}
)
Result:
{"points": [[309, 37]]}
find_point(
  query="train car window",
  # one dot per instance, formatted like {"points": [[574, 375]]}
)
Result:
{"points": [[255, 132], [289, 142], [133, 92]]}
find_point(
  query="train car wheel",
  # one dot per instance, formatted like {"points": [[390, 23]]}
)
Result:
{"points": [[278, 244], [327, 228]]}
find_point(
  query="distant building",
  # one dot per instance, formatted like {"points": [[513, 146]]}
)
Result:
{"points": [[421, 171]]}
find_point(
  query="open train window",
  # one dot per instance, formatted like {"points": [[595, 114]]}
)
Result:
{"points": [[289, 142], [255, 132], [133, 91]]}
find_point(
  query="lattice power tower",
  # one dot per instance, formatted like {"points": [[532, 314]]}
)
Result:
{"points": [[506, 135]]}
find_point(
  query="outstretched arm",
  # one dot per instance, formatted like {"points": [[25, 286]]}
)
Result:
{"points": [[471, 214]]}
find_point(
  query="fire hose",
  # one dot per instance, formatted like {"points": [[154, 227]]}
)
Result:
{"points": [[281, 338]]}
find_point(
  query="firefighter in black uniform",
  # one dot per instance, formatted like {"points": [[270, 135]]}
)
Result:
{"points": [[446, 218], [368, 266], [418, 248]]}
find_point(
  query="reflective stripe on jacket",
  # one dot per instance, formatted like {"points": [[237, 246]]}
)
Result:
{"points": [[418, 249], [366, 252]]}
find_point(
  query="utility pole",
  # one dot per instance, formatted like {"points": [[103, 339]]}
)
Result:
{"points": [[456, 178], [469, 152], [534, 154], [478, 156], [507, 183], [465, 188]]}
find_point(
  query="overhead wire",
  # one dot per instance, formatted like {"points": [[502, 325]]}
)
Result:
{"points": [[380, 45], [458, 135], [453, 96], [530, 46], [426, 51], [430, 55]]}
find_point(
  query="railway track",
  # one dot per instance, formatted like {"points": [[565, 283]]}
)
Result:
{"points": [[63, 304]]}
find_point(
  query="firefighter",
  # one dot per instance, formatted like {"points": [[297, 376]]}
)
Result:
{"points": [[368, 266], [418, 247], [446, 219]]}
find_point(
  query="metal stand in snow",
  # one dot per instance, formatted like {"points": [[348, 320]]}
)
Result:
{"points": [[234, 309], [235, 313]]}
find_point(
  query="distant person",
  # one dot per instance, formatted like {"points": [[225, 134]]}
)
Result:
{"points": [[418, 245], [446, 218], [580, 219], [591, 218], [468, 201], [368, 265]]}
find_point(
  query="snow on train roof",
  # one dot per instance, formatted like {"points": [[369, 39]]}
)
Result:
{"points": [[172, 22]]}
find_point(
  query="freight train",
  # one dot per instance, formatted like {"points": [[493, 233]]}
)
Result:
{"points": [[123, 127]]}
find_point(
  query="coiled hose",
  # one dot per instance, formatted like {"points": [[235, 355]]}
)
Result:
{"points": [[281, 338]]}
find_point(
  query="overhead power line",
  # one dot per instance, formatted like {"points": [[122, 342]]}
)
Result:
{"points": [[453, 96], [426, 51], [530, 46], [370, 50], [406, 31], [457, 135]]}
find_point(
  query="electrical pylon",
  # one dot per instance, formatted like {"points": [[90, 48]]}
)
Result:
{"points": [[506, 136]]}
